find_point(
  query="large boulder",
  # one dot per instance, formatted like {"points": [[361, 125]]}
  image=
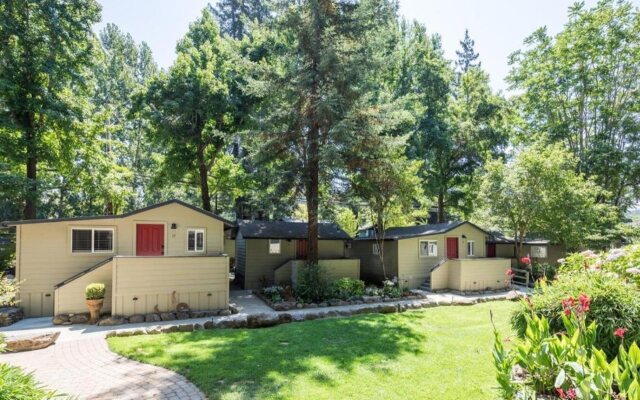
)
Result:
{"points": [[167, 316], [262, 320], [152, 318], [61, 319], [10, 315], [82, 318], [31, 342], [136, 319]]}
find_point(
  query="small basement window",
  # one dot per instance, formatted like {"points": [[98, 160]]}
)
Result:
{"points": [[195, 240], [539, 251], [375, 249], [274, 246], [471, 248], [92, 240], [428, 248]]}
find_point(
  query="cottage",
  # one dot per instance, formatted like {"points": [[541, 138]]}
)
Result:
{"points": [[539, 250], [449, 255], [271, 252], [142, 257]]}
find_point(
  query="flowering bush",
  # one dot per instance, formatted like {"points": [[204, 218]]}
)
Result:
{"points": [[612, 304], [623, 262], [390, 288], [568, 365], [372, 290]]}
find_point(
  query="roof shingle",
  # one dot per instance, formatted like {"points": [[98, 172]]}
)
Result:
{"points": [[288, 230]]}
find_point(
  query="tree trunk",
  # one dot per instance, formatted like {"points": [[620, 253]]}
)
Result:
{"points": [[204, 183], [380, 233], [31, 193], [312, 194], [441, 217]]}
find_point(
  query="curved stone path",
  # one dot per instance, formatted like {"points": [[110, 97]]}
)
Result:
{"points": [[88, 369]]}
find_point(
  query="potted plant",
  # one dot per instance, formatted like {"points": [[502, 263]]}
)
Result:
{"points": [[94, 295]]}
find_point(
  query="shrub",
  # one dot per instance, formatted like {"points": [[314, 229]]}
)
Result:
{"points": [[614, 304], [543, 270], [373, 291], [274, 293], [390, 288], [346, 288], [8, 291], [94, 291], [312, 285], [623, 261], [568, 365], [16, 385]]}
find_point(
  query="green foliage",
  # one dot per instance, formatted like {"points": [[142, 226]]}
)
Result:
{"points": [[94, 291], [346, 288], [347, 220], [194, 112], [8, 290], [45, 50], [581, 88], [234, 16], [614, 304], [390, 288], [17, 385], [543, 271], [312, 284], [568, 364], [540, 192], [274, 293]]}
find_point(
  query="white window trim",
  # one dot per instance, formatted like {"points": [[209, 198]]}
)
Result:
{"points": [[279, 246], [473, 248], [93, 250], [375, 249], [428, 242], [195, 243]]}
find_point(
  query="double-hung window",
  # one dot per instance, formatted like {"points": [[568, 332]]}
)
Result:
{"points": [[539, 251], [92, 240], [274, 246], [195, 240], [428, 248], [376, 249], [471, 248]]}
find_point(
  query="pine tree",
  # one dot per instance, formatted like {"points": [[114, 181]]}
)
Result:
{"points": [[233, 15], [467, 56]]}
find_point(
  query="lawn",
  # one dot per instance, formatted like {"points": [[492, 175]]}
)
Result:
{"points": [[436, 353]]}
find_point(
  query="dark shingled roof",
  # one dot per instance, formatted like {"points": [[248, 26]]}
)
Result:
{"points": [[227, 223], [406, 232], [288, 230], [499, 238]]}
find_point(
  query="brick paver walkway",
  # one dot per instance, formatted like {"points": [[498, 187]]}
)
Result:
{"points": [[88, 369]]}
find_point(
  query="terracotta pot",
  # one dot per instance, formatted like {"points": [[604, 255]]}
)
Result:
{"points": [[94, 307]]}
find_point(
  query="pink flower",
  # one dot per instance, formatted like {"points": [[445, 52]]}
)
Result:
{"points": [[525, 260], [569, 394], [620, 332], [510, 272]]}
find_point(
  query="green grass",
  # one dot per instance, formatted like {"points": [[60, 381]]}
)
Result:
{"points": [[437, 353]]}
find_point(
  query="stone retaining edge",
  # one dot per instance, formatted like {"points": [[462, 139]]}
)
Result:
{"points": [[264, 320]]}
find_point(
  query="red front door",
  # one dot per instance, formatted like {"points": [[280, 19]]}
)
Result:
{"points": [[491, 250], [149, 240], [452, 247]]}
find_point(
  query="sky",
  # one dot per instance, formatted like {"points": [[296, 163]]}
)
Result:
{"points": [[497, 26]]}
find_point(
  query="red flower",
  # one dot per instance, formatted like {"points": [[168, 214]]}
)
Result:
{"points": [[510, 272], [567, 305], [620, 332], [569, 394], [585, 302], [525, 260]]}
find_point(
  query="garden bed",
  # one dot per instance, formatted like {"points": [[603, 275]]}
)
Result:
{"points": [[287, 305]]}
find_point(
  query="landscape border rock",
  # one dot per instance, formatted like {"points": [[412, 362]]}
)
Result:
{"points": [[31, 342], [10, 315], [109, 320], [264, 320]]}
